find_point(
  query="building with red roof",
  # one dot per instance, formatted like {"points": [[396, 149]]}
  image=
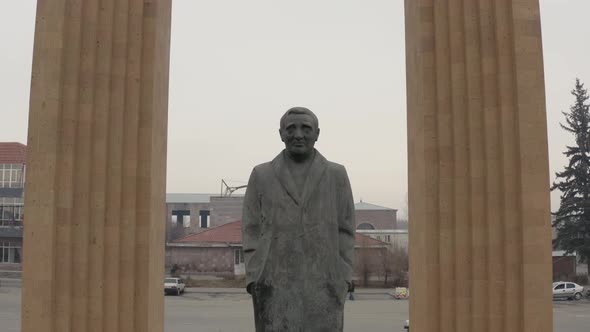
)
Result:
{"points": [[230, 234], [13, 153], [189, 213], [365, 241], [215, 251], [218, 251]]}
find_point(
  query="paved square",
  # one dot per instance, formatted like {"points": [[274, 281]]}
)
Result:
{"points": [[230, 310]]}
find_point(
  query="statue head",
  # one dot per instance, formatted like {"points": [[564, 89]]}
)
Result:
{"points": [[299, 131]]}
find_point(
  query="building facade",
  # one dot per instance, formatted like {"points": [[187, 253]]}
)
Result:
{"points": [[218, 251], [204, 236], [214, 251], [12, 180], [372, 217], [564, 266], [561, 261], [380, 223], [397, 238], [194, 213]]}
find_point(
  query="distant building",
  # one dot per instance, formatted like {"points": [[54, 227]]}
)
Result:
{"points": [[214, 251], [193, 213], [370, 258], [12, 182], [370, 216], [203, 234], [561, 262], [395, 237], [564, 266], [218, 251], [380, 223]]}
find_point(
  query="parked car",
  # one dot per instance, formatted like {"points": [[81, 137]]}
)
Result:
{"points": [[567, 290], [174, 286]]}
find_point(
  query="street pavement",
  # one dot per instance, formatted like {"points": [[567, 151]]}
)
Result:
{"points": [[230, 310]]}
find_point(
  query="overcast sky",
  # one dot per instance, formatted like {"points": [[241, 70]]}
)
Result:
{"points": [[237, 66]]}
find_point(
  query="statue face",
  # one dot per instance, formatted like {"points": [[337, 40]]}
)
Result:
{"points": [[299, 134]]}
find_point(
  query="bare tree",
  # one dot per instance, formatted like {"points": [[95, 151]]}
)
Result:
{"points": [[386, 268], [400, 266], [363, 261]]}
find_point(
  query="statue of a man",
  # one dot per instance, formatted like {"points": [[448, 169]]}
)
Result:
{"points": [[298, 234]]}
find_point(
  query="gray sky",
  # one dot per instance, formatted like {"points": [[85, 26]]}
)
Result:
{"points": [[237, 66]]}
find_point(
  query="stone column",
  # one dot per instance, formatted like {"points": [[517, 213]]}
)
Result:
{"points": [[480, 250], [95, 187]]}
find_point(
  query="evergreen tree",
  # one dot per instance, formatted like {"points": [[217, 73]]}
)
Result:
{"points": [[572, 220]]}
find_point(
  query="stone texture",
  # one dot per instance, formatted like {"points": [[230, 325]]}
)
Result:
{"points": [[298, 249], [480, 234], [298, 234], [95, 191]]}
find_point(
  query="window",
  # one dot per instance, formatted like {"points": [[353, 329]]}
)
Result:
{"points": [[388, 238], [365, 225], [178, 216], [11, 215], [10, 252], [186, 221], [204, 219], [11, 175], [238, 256], [570, 286], [560, 286]]}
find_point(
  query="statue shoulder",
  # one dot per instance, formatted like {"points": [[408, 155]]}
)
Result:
{"points": [[337, 168], [339, 174], [263, 169]]}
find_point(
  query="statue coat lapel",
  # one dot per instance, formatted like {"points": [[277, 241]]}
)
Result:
{"points": [[283, 174], [315, 173]]}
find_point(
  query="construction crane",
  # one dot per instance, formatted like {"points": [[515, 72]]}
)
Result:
{"points": [[227, 190]]}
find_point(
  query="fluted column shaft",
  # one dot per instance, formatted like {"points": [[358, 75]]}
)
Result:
{"points": [[95, 191], [480, 237]]}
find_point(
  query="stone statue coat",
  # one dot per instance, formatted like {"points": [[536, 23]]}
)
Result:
{"points": [[298, 248]]}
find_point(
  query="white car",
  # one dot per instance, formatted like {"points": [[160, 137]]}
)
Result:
{"points": [[567, 290], [174, 286]]}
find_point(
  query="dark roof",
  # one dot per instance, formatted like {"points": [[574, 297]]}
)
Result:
{"points": [[13, 153], [230, 233]]}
